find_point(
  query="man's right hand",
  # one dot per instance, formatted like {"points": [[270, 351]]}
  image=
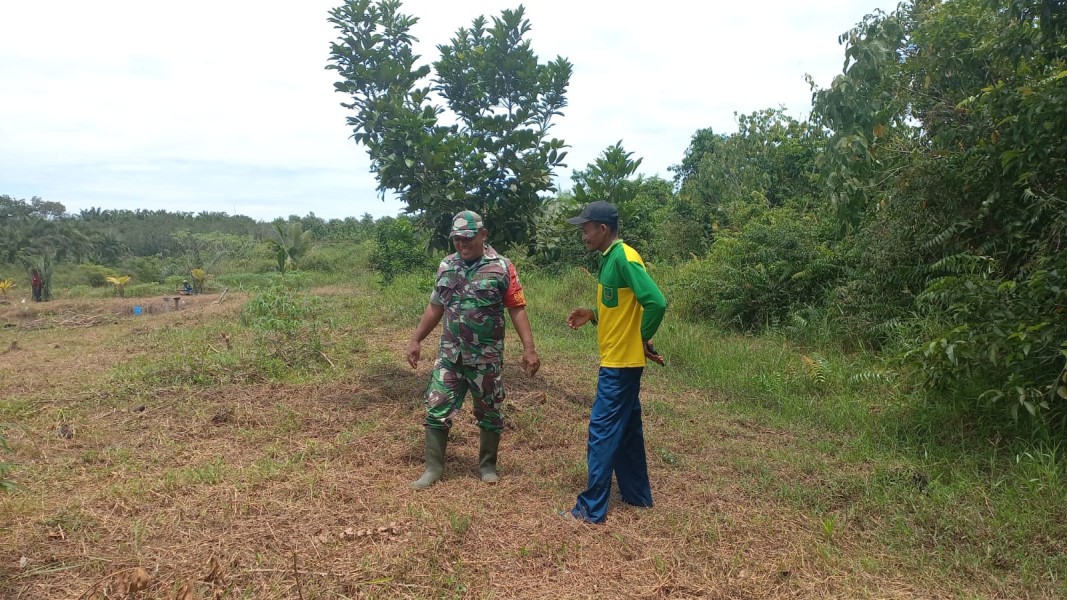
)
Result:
{"points": [[652, 355], [579, 317], [414, 352]]}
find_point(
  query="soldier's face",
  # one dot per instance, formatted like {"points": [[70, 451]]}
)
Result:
{"points": [[471, 248]]}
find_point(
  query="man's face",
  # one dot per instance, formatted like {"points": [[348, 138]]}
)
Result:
{"points": [[473, 247], [595, 235]]}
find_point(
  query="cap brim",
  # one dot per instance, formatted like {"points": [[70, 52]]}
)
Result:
{"points": [[578, 220], [464, 234]]}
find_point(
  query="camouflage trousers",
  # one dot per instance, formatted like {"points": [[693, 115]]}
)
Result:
{"points": [[449, 384]]}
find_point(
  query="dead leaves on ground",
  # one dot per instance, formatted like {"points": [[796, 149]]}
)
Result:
{"points": [[224, 415], [123, 584], [130, 583], [215, 574], [392, 532]]}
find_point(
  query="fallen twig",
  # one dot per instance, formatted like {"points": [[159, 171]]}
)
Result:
{"points": [[302, 572], [328, 359], [296, 574]]}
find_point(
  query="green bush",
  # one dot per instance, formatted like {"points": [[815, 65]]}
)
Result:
{"points": [[753, 279], [557, 244], [144, 269], [69, 275], [338, 258], [94, 275], [323, 260], [287, 328], [887, 258], [262, 266], [682, 239], [398, 250], [1001, 340]]}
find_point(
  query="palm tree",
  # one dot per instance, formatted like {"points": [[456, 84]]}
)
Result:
{"points": [[289, 244], [43, 261]]}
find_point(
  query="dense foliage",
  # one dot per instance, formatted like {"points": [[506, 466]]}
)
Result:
{"points": [[948, 125]]}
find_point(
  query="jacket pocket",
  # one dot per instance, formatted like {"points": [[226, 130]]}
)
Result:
{"points": [[609, 296]]}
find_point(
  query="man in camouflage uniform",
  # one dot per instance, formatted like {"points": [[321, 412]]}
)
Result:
{"points": [[474, 286]]}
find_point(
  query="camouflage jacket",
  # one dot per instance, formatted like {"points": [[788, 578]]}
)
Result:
{"points": [[474, 298]]}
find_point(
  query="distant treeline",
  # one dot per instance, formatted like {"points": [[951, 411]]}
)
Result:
{"points": [[107, 236]]}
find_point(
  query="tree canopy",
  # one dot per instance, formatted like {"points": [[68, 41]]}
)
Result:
{"points": [[490, 151]]}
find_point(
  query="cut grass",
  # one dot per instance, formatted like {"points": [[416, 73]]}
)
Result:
{"points": [[775, 473]]}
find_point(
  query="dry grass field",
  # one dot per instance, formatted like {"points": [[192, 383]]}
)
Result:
{"points": [[156, 460]]}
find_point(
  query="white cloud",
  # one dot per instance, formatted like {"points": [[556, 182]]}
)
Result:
{"points": [[227, 105]]}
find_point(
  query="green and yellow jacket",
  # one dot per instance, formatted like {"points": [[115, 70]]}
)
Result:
{"points": [[630, 307]]}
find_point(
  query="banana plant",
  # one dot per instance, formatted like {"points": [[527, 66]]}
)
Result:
{"points": [[119, 281], [199, 277]]}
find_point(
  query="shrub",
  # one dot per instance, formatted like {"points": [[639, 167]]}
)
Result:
{"points": [[339, 258], [323, 260], [398, 250], [558, 244], [1002, 340], [145, 268], [78, 274], [286, 326], [756, 277], [94, 275]]}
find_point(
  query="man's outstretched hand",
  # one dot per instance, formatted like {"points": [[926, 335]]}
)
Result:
{"points": [[579, 317]]}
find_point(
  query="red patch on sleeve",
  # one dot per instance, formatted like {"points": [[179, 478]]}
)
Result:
{"points": [[514, 298]]}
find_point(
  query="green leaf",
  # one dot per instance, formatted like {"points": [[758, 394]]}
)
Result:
{"points": [[1030, 407]]}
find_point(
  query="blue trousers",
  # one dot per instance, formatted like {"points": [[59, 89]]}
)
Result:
{"points": [[616, 444]]}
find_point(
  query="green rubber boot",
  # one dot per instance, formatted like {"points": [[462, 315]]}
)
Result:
{"points": [[435, 458], [490, 443]]}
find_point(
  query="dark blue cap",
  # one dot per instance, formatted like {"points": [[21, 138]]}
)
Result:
{"points": [[599, 211]]}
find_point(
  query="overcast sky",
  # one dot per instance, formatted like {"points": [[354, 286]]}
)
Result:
{"points": [[225, 105]]}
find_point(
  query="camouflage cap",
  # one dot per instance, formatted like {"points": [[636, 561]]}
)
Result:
{"points": [[466, 224]]}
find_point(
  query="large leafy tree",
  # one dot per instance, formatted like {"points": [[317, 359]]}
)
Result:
{"points": [[489, 151], [769, 161], [726, 181]]}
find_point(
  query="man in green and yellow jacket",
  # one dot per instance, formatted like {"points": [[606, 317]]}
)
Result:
{"points": [[629, 310]]}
